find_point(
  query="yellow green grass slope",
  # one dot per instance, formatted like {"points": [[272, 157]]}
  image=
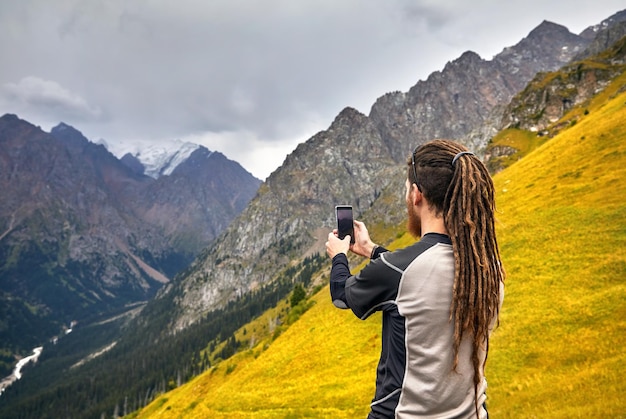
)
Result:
{"points": [[559, 351]]}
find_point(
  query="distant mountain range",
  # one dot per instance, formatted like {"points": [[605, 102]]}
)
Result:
{"points": [[83, 233]]}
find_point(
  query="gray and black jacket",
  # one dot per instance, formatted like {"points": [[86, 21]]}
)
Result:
{"points": [[412, 287]]}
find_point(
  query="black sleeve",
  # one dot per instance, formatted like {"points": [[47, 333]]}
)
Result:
{"points": [[339, 273], [372, 288], [375, 288], [378, 251], [369, 290]]}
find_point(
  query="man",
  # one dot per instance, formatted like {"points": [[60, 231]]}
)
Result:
{"points": [[439, 297]]}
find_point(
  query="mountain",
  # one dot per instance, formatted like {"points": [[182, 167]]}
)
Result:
{"points": [[357, 159], [81, 234], [464, 101], [203, 193], [133, 163], [561, 97], [609, 27]]}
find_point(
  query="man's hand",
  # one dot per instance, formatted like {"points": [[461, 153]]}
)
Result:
{"points": [[335, 245], [363, 245]]}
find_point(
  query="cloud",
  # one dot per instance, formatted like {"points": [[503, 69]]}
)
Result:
{"points": [[251, 79], [34, 95]]}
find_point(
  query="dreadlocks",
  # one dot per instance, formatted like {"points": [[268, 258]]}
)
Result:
{"points": [[463, 193]]}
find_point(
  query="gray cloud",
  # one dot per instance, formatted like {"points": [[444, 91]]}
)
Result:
{"points": [[48, 96], [251, 79]]}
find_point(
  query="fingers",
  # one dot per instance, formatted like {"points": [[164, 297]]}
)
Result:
{"points": [[334, 245], [359, 226]]}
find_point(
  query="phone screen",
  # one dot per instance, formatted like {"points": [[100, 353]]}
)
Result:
{"points": [[345, 221]]}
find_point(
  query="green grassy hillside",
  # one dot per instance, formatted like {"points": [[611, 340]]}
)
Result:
{"points": [[559, 351]]}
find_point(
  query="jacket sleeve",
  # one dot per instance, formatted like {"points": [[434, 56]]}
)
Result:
{"points": [[373, 288], [339, 273], [366, 292]]}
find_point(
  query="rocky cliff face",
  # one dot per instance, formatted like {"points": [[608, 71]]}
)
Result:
{"points": [[604, 34], [81, 233], [464, 101], [543, 105], [548, 97], [291, 215]]}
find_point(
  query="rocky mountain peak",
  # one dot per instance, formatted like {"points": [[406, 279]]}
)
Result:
{"points": [[62, 126], [605, 36], [70, 136], [9, 117], [347, 117], [548, 97], [592, 31], [133, 163], [547, 28], [546, 48], [162, 159], [468, 58], [15, 130]]}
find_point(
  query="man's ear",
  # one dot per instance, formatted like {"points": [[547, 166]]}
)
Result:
{"points": [[416, 194]]}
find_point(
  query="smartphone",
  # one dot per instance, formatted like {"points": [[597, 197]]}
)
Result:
{"points": [[345, 221]]}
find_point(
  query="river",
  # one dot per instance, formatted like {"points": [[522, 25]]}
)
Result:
{"points": [[17, 371]]}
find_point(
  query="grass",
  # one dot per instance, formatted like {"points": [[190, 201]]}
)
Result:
{"points": [[308, 371], [559, 350]]}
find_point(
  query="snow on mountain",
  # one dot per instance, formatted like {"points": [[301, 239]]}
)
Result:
{"points": [[157, 159], [163, 159]]}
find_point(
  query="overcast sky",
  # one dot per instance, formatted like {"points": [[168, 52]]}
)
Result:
{"points": [[251, 79]]}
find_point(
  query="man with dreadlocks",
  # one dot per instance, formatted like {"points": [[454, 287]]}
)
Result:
{"points": [[440, 297]]}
